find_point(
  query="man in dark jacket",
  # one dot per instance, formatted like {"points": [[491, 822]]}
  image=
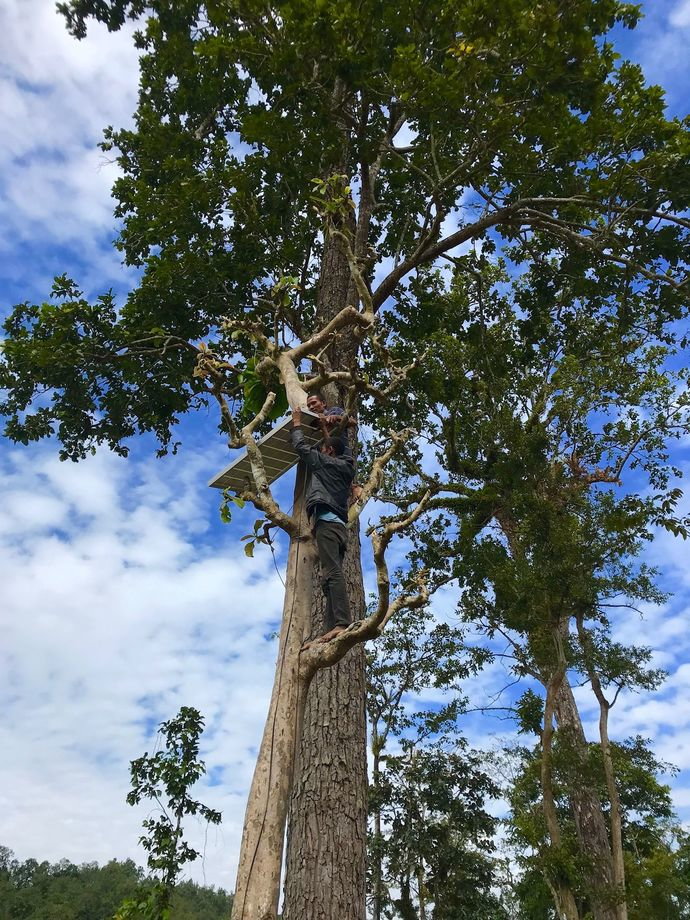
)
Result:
{"points": [[331, 476], [333, 419]]}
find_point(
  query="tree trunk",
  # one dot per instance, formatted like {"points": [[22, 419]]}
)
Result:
{"points": [[615, 816], [326, 859], [378, 859], [258, 876], [404, 903], [420, 893], [561, 890], [326, 853], [590, 822]]}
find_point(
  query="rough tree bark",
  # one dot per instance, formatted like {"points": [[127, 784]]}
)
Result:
{"points": [[326, 854], [325, 871], [590, 822]]}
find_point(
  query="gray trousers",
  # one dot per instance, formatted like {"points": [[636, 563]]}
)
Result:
{"points": [[331, 542]]}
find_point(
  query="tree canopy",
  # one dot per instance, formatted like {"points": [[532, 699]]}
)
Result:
{"points": [[510, 124]]}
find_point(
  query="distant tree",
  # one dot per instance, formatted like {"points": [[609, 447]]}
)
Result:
{"points": [[197, 902], [655, 848], [437, 839], [166, 778]]}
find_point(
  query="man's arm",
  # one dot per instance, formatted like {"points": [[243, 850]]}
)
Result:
{"points": [[336, 416], [310, 455], [355, 493]]}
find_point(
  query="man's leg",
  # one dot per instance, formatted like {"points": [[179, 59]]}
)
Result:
{"points": [[328, 619], [331, 541]]}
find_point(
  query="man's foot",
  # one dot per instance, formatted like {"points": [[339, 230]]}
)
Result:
{"points": [[331, 634]]}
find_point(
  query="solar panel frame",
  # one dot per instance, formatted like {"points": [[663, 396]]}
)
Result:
{"points": [[276, 451]]}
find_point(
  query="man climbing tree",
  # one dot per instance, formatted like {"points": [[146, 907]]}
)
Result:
{"points": [[327, 496]]}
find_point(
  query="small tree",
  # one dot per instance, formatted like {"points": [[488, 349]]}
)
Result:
{"points": [[430, 846], [166, 778]]}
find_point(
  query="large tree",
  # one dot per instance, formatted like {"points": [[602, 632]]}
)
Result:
{"points": [[512, 124], [543, 397], [655, 847]]}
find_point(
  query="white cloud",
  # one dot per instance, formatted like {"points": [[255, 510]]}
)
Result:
{"points": [[113, 617], [659, 44], [56, 97], [680, 15]]}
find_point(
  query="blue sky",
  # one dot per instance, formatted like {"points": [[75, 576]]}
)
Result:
{"points": [[124, 597]]}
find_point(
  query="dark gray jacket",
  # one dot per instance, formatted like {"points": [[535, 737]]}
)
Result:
{"points": [[330, 480]]}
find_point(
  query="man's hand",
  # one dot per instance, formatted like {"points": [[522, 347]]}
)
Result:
{"points": [[296, 417], [341, 421], [356, 492]]}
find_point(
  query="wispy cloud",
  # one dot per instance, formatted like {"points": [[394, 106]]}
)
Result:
{"points": [[680, 15], [660, 46], [56, 97], [120, 606]]}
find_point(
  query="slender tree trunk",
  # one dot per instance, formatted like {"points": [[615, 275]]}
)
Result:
{"points": [[258, 877], [420, 893], [378, 859], [404, 904], [615, 816], [590, 822], [610, 775]]}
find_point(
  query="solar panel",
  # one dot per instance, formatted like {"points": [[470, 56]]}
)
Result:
{"points": [[276, 451]]}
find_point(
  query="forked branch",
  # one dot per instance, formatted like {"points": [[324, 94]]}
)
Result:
{"points": [[324, 655]]}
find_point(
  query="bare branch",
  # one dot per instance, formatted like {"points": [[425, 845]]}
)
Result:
{"points": [[349, 316], [262, 497], [398, 439], [360, 281], [428, 252], [562, 229]]}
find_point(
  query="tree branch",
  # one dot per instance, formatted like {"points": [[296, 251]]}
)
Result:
{"points": [[322, 655]]}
